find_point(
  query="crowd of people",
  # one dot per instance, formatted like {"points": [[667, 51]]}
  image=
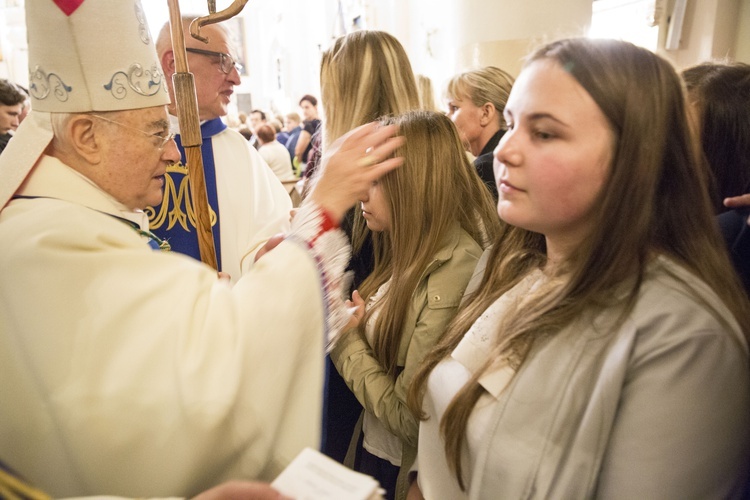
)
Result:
{"points": [[14, 106], [538, 293]]}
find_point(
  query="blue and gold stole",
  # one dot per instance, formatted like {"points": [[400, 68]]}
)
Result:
{"points": [[174, 219]]}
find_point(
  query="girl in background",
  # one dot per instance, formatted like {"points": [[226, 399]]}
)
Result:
{"points": [[719, 97], [364, 75]]}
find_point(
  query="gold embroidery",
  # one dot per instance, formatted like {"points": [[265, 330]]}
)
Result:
{"points": [[171, 205], [177, 168]]}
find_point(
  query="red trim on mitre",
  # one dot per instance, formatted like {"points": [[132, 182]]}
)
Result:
{"points": [[68, 6]]}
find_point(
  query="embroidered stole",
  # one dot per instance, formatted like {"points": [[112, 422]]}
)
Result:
{"points": [[174, 219]]}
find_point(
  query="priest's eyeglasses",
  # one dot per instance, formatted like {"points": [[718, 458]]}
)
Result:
{"points": [[162, 139], [226, 61]]}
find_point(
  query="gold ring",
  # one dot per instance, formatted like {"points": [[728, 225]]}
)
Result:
{"points": [[367, 161]]}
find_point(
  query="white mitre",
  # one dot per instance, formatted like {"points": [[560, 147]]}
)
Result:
{"points": [[84, 55]]}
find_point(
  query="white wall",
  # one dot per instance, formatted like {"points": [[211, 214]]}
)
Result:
{"points": [[444, 37], [710, 31], [742, 43], [284, 43], [284, 40], [14, 65]]}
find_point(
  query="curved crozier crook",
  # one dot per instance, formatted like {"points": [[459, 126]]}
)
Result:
{"points": [[215, 17]]}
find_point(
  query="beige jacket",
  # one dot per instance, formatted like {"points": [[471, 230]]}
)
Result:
{"points": [[657, 407], [434, 304]]}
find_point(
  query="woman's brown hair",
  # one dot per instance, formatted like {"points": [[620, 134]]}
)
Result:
{"points": [[655, 202], [435, 191]]}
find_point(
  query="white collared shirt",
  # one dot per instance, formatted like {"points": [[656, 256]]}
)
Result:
{"points": [[435, 477]]}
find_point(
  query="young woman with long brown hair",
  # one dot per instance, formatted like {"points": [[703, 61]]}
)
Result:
{"points": [[430, 222], [604, 353], [364, 75]]}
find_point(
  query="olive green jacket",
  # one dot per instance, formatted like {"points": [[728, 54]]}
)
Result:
{"points": [[434, 304]]}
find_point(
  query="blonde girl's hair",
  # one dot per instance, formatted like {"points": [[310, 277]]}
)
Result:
{"points": [[480, 86], [426, 93], [655, 202], [365, 75], [432, 194]]}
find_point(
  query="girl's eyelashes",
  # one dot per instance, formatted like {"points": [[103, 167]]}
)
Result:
{"points": [[542, 135]]}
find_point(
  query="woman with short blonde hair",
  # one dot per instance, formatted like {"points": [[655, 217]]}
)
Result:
{"points": [[476, 100]]}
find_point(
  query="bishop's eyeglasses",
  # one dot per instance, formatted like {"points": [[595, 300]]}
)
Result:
{"points": [[163, 140]]}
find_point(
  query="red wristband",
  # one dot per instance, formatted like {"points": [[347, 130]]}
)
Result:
{"points": [[328, 221]]}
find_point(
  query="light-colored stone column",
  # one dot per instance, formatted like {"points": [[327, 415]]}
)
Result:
{"points": [[502, 32], [709, 31]]}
